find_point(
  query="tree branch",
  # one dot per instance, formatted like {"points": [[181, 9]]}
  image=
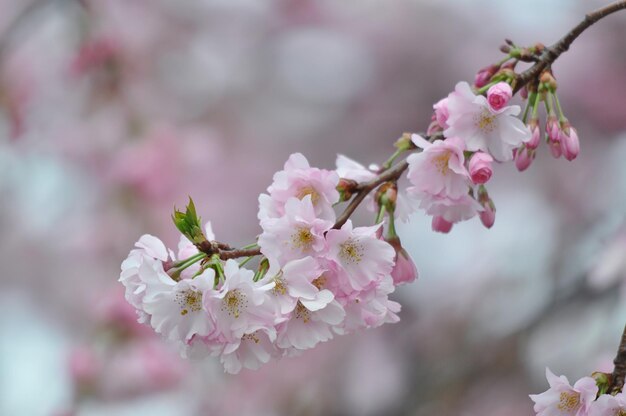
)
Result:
{"points": [[551, 53], [619, 372]]}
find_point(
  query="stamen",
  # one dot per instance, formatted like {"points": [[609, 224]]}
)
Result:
{"points": [[485, 121], [302, 239], [309, 190], [234, 302], [189, 301], [441, 162], [568, 401], [302, 313], [351, 251], [280, 286]]}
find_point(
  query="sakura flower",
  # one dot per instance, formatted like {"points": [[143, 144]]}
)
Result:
{"points": [[299, 233], [145, 263], [451, 210], [254, 349], [298, 180], [369, 308], [240, 304], [359, 254], [442, 113], [483, 128], [561, 399], [176, 308], [296, 282], [309, 326], [439, 168], [608, 405]]}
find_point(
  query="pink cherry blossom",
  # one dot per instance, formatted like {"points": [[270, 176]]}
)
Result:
{"points": [[472, 119], [561, 399], [608, 405], [480, 168], [404, 269], [535, 138], [143, 264], [240, 305], [442, 113], [299, 233], [484, 75], [296, 282], [307, 327], [359, 254], [488, 216], [298, 180], [439, 168], [254, 349], [176, 308], [498, 95], [450, 209]]}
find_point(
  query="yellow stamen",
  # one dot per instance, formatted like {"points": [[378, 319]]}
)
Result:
{"points": [[351, 251], [189, 300], [568, 401]]}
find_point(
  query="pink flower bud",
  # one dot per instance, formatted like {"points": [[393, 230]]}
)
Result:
{"points": [[535, 137], [480, 167], [440, 225], [404, 270], [555, 148], [83, 365], [488, 216], [484, 75], [441, 112], [552, 129], [523, 158], [498, 95], [570, 145]]}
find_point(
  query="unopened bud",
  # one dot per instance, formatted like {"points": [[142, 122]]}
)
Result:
{"points": [[523, 157], [547, 79], [570, 144], [480, 168], [404, 142], [484, 75], [346, 188], [535, 136], [387, 195], [488, 214]]}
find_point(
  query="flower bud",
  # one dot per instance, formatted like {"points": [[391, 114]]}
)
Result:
{"points": [[387, 195], [441, 112], [480, 167], [570, 145], [488, 214], [535, 136], [404, 270], [484, 75], [552, 129], [404, 142], [346, 188], [440, 225], [523, 157], [498, 95]]}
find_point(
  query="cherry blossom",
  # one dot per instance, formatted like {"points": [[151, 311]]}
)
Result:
{"points": [[561, 399]]}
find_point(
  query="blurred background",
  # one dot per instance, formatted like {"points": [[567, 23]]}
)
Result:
{"points": [[113, 111]]}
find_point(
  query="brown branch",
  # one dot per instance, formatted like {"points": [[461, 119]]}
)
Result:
{"points": [[619, 372], [551, 53]]}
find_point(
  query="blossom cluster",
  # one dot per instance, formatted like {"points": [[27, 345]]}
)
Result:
{"points": [[587, 397], [319, 275], [314, 280]]}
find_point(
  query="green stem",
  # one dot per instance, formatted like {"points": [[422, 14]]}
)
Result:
{"points": [[249, 246], [392, 159], [391, 229], [558, 107], [531, 98], [381, 214], [536, 105], [193, 259], [247, 259]]}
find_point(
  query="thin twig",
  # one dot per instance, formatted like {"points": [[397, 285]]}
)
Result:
{"points": [[551, 53], [619, 372]]}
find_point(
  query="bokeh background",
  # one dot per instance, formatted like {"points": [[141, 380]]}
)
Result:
{"points": [[112, 112]]}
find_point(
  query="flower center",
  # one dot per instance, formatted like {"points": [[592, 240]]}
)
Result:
{"points": [[302, 239], [251, 337], [280, 286], [568, 401], [309, 190], [485, 121], [189, 301], [441, 162], [234, 302], [351, 251], [320, 282], [302, 313]]}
